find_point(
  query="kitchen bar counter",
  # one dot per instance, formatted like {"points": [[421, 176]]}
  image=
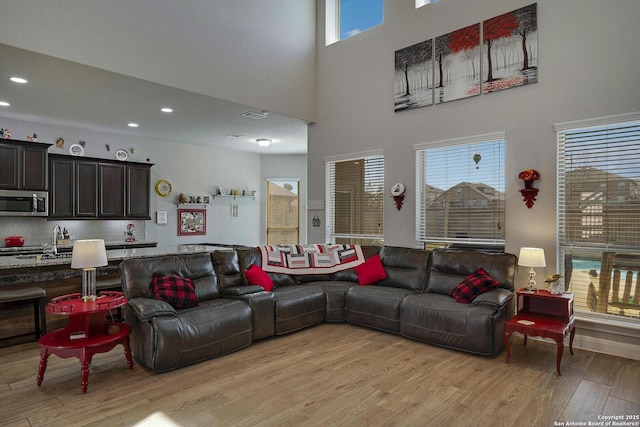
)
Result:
{"points": [[17, 269], [34, 249]]}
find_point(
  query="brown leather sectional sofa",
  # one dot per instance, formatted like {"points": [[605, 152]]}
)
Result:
{"points": [[413, 302]]}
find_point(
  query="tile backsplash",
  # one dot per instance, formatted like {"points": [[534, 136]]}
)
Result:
{"points": [[39, 230]]}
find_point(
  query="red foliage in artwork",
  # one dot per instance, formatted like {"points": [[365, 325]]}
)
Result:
{"points": [[500, 26], [465, 39]]}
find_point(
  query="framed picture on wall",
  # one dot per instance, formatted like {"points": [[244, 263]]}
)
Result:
{"points": [[192, 222]]}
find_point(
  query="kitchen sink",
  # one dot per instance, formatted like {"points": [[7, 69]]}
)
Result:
{"points": [[45, 256]]}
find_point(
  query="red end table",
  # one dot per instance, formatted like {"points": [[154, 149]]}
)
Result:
{"points": [[87, 333], [543, 314]]}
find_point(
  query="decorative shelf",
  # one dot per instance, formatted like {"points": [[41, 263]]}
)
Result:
{"points": [[236, 196], [193, 204]]}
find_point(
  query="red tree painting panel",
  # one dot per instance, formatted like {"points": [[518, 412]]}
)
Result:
{"points": [[457, 64], [510, 57]]}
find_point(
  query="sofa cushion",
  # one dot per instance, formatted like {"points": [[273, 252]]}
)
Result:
{"points": [[178, 291], [439, 319], [450, 266], [298, 307], [406, 268], [137, 274], [473, 285], [375, 306], [257, 276], [371, 271]]}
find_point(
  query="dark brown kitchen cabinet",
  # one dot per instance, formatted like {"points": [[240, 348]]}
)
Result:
{"points": [[23, 165], [86, 189], [98, 189], [139, 193], [61, 188], [112, 190]]}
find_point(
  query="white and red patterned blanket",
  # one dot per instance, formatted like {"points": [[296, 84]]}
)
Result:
{"points": [[310, 259]]}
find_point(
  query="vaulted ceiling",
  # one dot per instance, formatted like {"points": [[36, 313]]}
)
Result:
{"points": [[101, 64]]}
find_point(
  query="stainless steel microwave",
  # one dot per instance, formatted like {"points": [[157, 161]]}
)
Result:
{"points": [[24, 203]]}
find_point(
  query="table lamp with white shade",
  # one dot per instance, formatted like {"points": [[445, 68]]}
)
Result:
{"points": [[531, 257], [87, 255]]}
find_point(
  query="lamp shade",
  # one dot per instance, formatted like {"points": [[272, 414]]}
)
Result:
{"points": [[531, 257], [89, 254]]}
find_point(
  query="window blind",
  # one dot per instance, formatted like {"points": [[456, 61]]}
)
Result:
{"points": [[354, 201], [599, 215], [460, 192]]}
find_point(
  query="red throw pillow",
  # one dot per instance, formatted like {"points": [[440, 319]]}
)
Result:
{"points": [[178, 291], [473, 285], [257, 276], [371, 271]]}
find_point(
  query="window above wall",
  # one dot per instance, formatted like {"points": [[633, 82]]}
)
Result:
{"points": [[420, 3], [346, 18]]}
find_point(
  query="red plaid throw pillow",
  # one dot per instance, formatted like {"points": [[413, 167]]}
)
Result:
{"points": [[473, 285], [177, 291]]}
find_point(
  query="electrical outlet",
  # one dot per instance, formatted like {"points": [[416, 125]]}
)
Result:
{"points": [[234, 211]]}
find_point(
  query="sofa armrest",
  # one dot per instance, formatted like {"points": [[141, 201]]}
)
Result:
{"points": [[147, 308], [235, 291], [496, 298]]}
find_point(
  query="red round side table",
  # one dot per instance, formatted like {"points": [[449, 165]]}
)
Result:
{"points": [[88, 332]]}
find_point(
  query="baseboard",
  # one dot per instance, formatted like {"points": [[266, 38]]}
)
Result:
{"points": [[614, 348], [607, 335]]}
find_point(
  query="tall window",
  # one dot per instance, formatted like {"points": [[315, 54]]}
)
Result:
{"points": [[355, 199], [346, 18], [599, 214], [460, 192], [283, 212]]}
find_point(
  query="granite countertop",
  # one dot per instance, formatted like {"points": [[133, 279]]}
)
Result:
{"points": [[4, 251], [11, 262]]}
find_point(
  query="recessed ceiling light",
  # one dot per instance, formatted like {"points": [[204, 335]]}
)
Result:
{"points": [[4, 104], [133, 125], [166, 110], [254, 115], [263, 142], [18, 80]]}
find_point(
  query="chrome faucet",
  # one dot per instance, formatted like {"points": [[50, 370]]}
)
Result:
{"points": [[56, 230]]}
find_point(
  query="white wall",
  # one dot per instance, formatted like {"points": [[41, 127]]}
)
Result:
{"points": [[193, 170], [285, 167], [585, 70], [588, 67]]}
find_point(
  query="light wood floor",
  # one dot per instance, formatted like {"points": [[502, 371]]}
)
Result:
{"points": [[331, 374]]}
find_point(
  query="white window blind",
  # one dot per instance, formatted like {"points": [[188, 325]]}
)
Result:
{"points": [[460, 192], [354, 201], [599, 214]]}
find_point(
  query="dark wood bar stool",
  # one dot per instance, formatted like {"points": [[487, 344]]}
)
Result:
{"points": [[18, 298]]}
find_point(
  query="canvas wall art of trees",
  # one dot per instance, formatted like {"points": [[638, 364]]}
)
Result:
{"points": [[457, 64], [510, 56], [499, 54], [413, 78]]}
